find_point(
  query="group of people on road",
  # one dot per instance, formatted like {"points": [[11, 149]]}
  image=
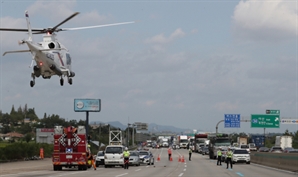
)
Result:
{"points": [[126, 155], [229, 155]]}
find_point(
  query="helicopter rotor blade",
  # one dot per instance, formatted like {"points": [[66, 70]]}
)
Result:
{"points": [[19, 29], [97, 26], [55, 27]]}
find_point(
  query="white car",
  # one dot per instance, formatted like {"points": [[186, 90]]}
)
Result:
{"points": [[114, 155], [245, 146], [146, 157], [241, 155]]}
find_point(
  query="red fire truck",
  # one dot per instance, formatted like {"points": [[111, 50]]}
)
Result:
{"points": [[70, 147]]}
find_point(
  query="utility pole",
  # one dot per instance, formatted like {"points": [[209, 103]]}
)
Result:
{"points": [[128, 134], [133, 129]]}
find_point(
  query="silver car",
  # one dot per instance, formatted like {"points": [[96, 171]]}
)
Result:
{"points": [[100, 159], [134, 158], [146, 157]]}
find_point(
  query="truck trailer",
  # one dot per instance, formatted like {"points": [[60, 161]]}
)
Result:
{"points": [[183, 141], [200, 141], [70, 148], [284, 141]]}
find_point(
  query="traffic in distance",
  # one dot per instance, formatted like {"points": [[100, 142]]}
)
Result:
{"points": [[201, 153]]}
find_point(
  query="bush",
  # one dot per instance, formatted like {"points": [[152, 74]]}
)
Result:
{"points": [[19, 151]]}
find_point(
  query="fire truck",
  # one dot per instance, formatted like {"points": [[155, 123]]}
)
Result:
{"points": [[70, 147]]}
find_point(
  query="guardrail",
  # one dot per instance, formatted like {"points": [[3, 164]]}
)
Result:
{"points": [[285, 161]]}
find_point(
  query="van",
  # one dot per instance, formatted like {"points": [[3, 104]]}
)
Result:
{"points": [[114, 155]]}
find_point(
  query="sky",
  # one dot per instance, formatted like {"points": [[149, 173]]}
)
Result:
{"points": [[183, 63]]}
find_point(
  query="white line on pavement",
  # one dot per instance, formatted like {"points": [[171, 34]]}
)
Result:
{"points": [[180, 174], [122, 174]]}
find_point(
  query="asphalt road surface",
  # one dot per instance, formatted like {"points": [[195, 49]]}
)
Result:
{"points": [[199, 165]]}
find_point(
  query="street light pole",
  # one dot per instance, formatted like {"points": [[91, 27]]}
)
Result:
{"points": [[133, 138]]}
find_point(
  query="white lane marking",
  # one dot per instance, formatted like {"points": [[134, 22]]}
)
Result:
{"points": [[137, 169], [69, 173], [180, 174], [185, 166], [184, 169], [122, 174]]}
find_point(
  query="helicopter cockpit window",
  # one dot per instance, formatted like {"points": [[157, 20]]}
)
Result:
{"points": [[68, 59]]}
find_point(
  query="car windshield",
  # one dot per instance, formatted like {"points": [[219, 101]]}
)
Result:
{"points": [[134, 154], [222, 142], [240, 152], [144, 153], [244, 146], [100, 153], [114, 150]]}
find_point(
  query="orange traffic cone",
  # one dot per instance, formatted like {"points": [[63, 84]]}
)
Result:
{"points": [[158, 158], [179, 159], [171, 159], [182, 159]]}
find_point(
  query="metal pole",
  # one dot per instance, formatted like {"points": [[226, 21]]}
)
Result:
{"points": [[87, 124], [99, 135], [133, 129], [127, 135]]}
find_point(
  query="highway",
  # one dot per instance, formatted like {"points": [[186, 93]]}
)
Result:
{"points": [[198, 166]]}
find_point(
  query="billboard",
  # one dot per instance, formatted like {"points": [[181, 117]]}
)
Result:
{"points": [[87, 105]]}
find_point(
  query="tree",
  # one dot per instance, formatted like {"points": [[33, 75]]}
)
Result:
{"points": [[287, 133], [28, 137]]}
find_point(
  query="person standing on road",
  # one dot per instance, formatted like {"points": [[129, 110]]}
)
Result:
{"points": [[219, 153], [190, 152], [229, 158], [126, 155], [90, 157], [170, 153]]}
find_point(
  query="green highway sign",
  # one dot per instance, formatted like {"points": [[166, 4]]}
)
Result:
{"points": [[264, 121], [272, 111]]}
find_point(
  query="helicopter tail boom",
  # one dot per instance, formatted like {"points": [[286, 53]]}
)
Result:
{"points": [[29, 26]]}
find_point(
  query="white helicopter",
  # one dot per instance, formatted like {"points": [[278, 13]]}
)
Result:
{"points": [[50, 56]]}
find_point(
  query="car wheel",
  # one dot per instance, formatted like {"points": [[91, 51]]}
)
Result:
{"points": [[248, 162]]}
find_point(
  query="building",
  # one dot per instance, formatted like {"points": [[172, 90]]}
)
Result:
{"points": [[45, 135]]}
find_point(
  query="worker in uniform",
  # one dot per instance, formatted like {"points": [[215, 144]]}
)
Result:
{"points": [[229, 158], [219, 154], [90, 157], [126, 155], [190, 152], [170, 153]]}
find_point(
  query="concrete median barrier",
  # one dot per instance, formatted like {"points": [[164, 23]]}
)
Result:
{"points": [[285, 161]]}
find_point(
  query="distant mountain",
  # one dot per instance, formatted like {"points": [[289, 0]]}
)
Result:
{"points": [[152, 127]]}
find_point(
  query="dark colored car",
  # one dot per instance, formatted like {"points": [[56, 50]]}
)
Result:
{"points": [[205, 151], [263, 149], [293, 151], [287, 149]]}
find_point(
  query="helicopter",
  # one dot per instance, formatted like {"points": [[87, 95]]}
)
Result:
{"points": [[50, 56]]}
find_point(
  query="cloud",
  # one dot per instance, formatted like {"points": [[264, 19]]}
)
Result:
{"points": [[161, 39], [150, 102], [265, 20], [223, 106]]}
